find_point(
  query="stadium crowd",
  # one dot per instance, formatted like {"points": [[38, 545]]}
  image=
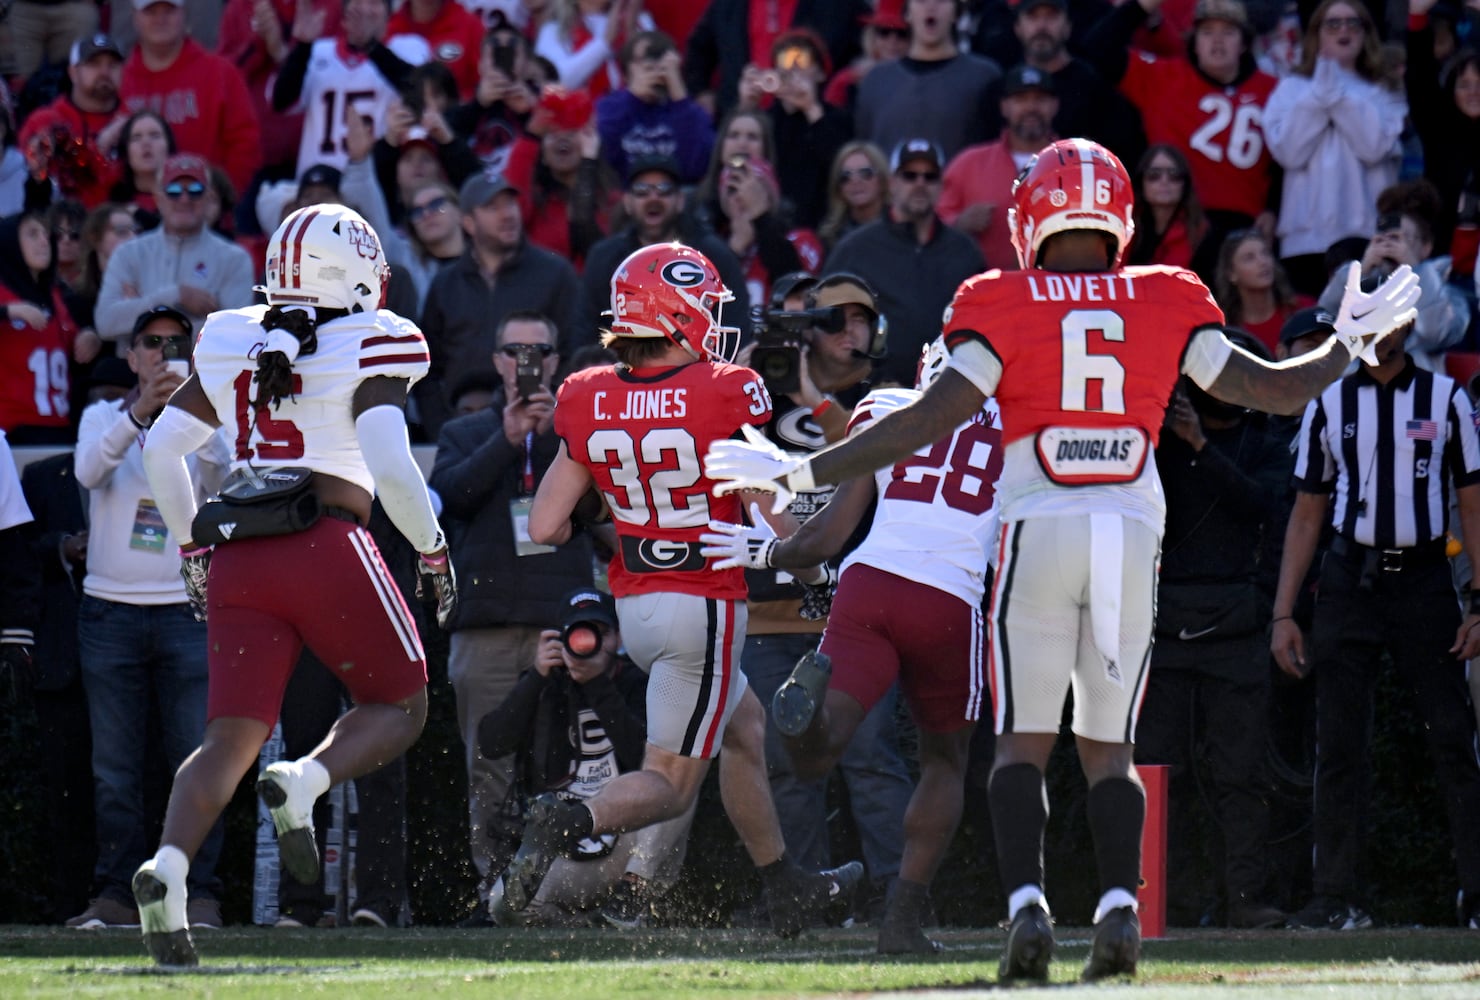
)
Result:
{"points": [[510, 154]]}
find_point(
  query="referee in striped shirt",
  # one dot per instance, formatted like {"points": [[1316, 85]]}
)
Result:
{"points": [[1381, 449]]}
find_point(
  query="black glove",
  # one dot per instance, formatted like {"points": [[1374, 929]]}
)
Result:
{"points": [[435, 577], [195, 569], [817, 598]]}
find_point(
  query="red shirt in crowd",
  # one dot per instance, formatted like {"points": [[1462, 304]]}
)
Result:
{"points": [[205, 100], [1220, 129], [456, 38], [983, 173], [35, 387]]}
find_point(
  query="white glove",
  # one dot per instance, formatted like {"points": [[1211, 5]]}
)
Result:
{"points": [[752, 464], [745, 546], [1366, 317]]}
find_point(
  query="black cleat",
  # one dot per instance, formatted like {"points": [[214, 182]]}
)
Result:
{"points": [[811, 898], [168, 946], [796, 701], [1029, 946], [548, 834], [897, 937], [1117, 946]]}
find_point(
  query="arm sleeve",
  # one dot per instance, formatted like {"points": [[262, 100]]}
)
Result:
{"points": [[403, 492], [971, 358], [174, 435], [396, 70], [288, 87]]}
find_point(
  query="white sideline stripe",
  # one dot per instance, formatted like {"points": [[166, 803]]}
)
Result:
{"points": [[405, 631]]}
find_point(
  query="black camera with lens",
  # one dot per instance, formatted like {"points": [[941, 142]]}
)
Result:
{"points": [[582, 640], [779, 336], [528, 369]]}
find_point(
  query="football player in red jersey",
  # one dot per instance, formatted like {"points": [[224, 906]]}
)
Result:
{"points": [[634, 433], [313, 386], [1082, 509]]}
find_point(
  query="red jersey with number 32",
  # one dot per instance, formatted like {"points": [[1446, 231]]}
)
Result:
{"points": [[642, 434], [1083, 350], [315, 428], [1220, 129]]}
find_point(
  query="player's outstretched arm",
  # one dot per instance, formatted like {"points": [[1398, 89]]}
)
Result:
{"points": [[1365, 320], [380, 424], [563, 486], [756, 464]]}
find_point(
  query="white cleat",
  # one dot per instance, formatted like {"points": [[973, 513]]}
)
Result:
{"points": [[162, 915], [281, 789]]}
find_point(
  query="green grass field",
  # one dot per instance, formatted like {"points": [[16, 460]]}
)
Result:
{"points": [[683, 964]]}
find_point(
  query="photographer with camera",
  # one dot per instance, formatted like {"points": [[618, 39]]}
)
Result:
{"points": [[574, 720], [487, 467], [816, 353]]}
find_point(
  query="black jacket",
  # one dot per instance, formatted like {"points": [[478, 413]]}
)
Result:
{"points": [[537, 722], [463, 311], [477, 472], [914, 283]]}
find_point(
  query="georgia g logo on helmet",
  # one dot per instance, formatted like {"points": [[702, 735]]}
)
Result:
{"points": [[682, 273]]}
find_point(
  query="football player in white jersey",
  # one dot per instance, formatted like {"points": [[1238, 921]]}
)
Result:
{"points": [[896, 617], [313, 386], [328, 78]]}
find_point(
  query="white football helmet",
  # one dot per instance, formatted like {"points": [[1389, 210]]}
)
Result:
{"points": [[933, 360], [326, 255]]}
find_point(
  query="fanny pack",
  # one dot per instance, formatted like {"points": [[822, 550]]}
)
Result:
{"points": [[257, 503]]}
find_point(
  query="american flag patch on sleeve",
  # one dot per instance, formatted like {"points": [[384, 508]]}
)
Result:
{"points": [[1422, 430]]}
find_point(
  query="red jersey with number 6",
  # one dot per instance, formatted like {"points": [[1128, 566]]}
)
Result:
{"points": [[315, 427], [1085, 350], [641, 433]]}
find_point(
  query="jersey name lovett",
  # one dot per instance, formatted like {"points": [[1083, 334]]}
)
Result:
{"points": [[315, 427], [641, 436], [942, 499], [1089, 361]]}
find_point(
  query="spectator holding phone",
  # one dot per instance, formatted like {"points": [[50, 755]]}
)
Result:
{"points": [[487, 468], [501, 105]]}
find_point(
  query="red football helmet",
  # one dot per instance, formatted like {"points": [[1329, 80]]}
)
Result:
{"points": [[1071, 184], [670, 290]]}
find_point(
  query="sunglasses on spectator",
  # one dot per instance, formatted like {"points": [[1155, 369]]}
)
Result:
{"points": [[1335, 24], [195, 189], [862, 173], [928, 176], [434, 207], [1163, 174], [662, 189], [154, 342], [892, 32], [68, 234], [514, 350]]}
